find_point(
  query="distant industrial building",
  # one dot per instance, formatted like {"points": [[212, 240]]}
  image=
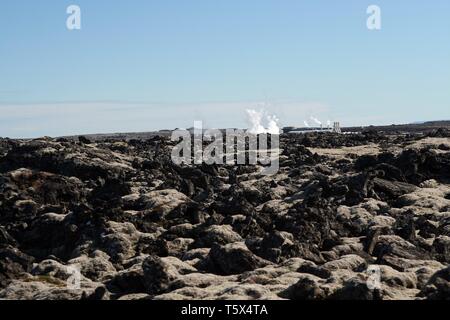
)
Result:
{"points": [[336, 128]]}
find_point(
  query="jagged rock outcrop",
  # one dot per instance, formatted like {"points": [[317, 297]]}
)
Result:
{"points": [[364, 216]]}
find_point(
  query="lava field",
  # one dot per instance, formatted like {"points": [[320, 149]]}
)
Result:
{"points": [[137, 226]]}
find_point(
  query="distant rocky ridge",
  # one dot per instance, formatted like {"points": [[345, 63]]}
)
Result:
{"points": [[424, 128], [138, 226], [419, 127]]}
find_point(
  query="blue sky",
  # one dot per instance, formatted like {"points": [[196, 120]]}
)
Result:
{"points": [[140, 65]]}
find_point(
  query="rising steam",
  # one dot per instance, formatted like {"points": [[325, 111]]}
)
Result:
{"points": [[260, 122], [316, 121]]}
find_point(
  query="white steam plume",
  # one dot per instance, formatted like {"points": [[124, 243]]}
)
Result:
{"points": [[257, 121], [316, 121]]}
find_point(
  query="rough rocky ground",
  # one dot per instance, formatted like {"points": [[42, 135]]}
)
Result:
{"points": [[139, 227]]}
